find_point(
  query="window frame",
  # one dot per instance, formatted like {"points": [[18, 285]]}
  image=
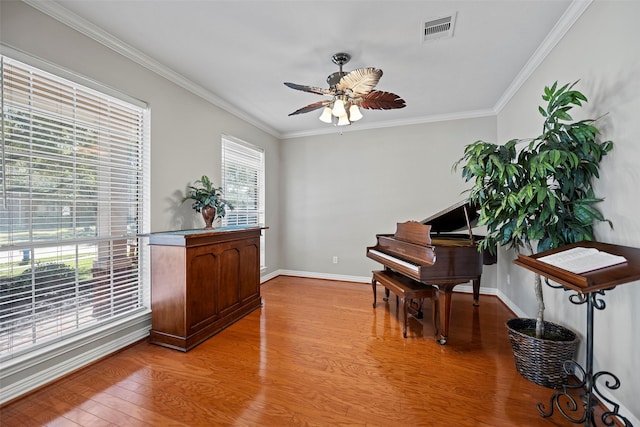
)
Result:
{"points": [[242, 154], [23, 357]]}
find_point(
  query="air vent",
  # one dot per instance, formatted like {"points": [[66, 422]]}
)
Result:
{"points": [[438, 28]]}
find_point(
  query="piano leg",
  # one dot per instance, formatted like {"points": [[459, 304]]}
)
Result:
{"points": [[444, 296], [476, 292], [435, 305]]}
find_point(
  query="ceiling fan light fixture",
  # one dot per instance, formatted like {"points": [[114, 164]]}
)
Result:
{"points": [[338, 108], [343, 120], [354, 113], [326, 115], [349, 91]]}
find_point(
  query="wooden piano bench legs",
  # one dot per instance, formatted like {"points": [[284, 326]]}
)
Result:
{"points": [[406, 289]]}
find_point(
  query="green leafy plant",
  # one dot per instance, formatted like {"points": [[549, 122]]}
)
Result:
{"points": [[204, 193], [539, 190]]}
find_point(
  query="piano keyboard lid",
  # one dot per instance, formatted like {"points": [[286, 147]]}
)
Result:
{"points": [[453, 218], [407, 264]]}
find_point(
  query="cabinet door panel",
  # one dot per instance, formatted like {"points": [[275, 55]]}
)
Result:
{"points": [[202, 288], [250, 270], [229, 278]]}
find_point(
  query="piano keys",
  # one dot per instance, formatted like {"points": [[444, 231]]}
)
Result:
{"points": [[429, 253]]}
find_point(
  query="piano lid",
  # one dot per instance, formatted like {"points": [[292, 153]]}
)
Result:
{"points": [[453, 218]]}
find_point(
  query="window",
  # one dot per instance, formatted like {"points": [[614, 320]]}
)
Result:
{"points": [[73, 182], [243, 185]]}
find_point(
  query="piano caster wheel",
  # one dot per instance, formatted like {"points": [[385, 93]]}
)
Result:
{"points": [[442, 341]]}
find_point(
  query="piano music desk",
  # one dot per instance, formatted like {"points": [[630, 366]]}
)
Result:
{"points": [[406, 289]]}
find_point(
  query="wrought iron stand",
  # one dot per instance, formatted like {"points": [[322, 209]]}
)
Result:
{"points": [[589, 288], [588, 380]]}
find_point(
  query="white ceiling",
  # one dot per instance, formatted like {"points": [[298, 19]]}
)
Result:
{"points": [[238, 53]]}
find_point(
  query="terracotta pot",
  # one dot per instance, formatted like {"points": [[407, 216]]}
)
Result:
{"points": [[209, 214]]}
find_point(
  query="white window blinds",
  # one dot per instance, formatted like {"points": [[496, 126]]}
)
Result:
{"points": [[72, 205], [243, 184]]}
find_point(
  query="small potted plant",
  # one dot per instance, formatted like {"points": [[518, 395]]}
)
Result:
{"points": [[208, 200], [539, 190]]}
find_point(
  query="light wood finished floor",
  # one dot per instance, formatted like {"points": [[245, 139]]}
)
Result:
{"points": [[316, 353]]}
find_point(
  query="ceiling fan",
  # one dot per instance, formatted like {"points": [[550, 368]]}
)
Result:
{"points": [[348, 91]]}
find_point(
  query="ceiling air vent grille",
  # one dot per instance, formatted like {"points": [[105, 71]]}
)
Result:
{"points": [[438, 28]]}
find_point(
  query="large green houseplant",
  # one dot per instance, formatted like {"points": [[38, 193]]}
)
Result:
{"points": [[539, 190], [207, 199]]}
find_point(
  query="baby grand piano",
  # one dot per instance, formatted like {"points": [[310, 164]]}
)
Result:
{"points": [[429, 253]]}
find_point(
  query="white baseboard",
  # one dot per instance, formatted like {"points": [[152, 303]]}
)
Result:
{"points": [[512, 306], [327, 276], [361, 279]]}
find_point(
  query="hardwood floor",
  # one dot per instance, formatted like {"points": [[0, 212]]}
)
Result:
{"points": [[316, 353]]}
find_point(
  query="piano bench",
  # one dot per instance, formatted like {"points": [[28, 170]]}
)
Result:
{"points": [[406, 289]]}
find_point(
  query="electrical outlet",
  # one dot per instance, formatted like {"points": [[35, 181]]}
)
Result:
{"points": [[335, 259]]}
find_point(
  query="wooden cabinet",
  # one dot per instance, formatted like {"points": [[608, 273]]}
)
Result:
{"points": [[201, 282]]}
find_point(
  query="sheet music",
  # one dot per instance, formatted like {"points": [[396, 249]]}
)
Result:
{"points": [[580, 259]]}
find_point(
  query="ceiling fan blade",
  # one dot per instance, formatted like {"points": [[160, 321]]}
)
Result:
{"points": [[312, 89], [312, 107], [360, 81], [378, 100]]}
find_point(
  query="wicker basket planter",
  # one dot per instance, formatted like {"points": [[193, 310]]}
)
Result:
{"points": [[541, 360]]}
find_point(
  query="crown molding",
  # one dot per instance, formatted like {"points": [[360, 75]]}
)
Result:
{"points": [[570, 16], [96, 33], [54, 10], [391, 123]]}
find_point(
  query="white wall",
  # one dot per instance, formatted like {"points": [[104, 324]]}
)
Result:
{"points": [[185, 129], [601, 50], [340, 190]]}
